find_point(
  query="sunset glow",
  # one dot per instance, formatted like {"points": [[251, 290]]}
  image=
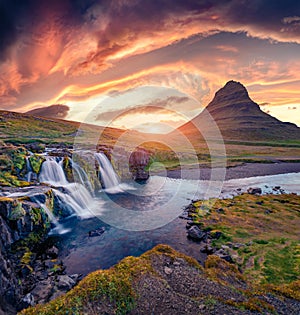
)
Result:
{"points": [[81, 53]]}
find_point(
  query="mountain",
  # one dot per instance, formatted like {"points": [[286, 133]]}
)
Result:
{"points": [[239, 118], [54, 111]]}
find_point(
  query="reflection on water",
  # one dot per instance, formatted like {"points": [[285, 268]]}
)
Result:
{"points": [[83, 254]]}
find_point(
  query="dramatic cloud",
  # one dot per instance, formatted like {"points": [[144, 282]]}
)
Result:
{"points": [[157, 106], [73, 51]]}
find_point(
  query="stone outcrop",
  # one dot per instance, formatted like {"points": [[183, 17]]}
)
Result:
{"points": [[18, 219], [163, 281], [138, 161], [30, 271]]}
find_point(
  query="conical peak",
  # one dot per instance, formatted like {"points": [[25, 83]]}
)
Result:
{"points": [[233, 87], [232, 91]]}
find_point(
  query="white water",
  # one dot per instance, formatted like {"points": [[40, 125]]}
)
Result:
{"points": [[52, 172], [82, 176], [72, 195], [149, 206], [29, 170], [108, 175], [59, 229]]}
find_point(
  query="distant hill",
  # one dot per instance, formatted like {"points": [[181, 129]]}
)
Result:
{"points": [[23, 128], [239, 118], [54, 111]]}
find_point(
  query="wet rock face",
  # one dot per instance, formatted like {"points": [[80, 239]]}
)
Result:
{"points": [[138, 161], [18, 219]]}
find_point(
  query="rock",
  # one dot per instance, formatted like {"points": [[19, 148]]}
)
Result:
{"points": [[50, 263], [216, 234], [207, 249], [195, 233], [76, 277], [189, 224], [56, 294], [226, 257], [184, 216], [237, 245], [52, 252], [35, 147], [41, 275], [138, 161], [202, 307], [268, 211], [28, 300], [43, 290], [254, 191], [167, 270], [225, 247], [97, 232], [220, 210], [65, 282]]}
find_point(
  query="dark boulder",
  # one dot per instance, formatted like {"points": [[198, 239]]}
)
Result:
{"points": [[138, 161], [254, 191], [196, 233]]}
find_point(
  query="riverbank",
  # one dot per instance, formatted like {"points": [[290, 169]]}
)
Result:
{"points": [[240, 171]]}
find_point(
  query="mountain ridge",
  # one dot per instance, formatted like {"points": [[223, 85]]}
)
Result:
{"points": [[53, 111], [238, 117]]}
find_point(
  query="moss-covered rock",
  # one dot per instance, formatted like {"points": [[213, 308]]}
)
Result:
{"points": [[163, 281], [17, 211], [36, 162]]}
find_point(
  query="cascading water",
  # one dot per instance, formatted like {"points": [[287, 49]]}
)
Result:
{"points": [[58, 227], [73, 196], [52, 172], [29, 170], [82, 176], [108, 175]]}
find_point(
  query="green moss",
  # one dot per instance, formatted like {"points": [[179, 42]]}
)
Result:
{"points": [[36, 215], [272, 254], [17, 211], [36, 162], [19, 159], [113, 287], [7, 179], [283, 265], [26, 259]]}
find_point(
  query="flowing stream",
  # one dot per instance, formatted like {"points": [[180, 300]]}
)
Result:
{"points": [[29, 170], [129, 218]]}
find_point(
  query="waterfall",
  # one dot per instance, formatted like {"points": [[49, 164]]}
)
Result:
{"points": [[107, 173], [82, 176], [58, 227], [73, 196], [52, 172], [29, 169]]}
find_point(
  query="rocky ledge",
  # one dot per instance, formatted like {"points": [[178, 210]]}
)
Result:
{"points": [[163, 281], [30, 271]]}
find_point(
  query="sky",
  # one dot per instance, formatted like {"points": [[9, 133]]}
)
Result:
{"points": [[149, 65]]}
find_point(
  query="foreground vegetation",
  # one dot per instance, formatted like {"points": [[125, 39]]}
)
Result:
{"points": [[164, 281], [260, 232]]}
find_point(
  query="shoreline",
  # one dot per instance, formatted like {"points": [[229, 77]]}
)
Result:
{"points": [[240, 171]]}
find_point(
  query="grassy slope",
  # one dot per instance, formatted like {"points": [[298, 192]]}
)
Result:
{"points": [[20, 129], [268, 228], [163, 281]]}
